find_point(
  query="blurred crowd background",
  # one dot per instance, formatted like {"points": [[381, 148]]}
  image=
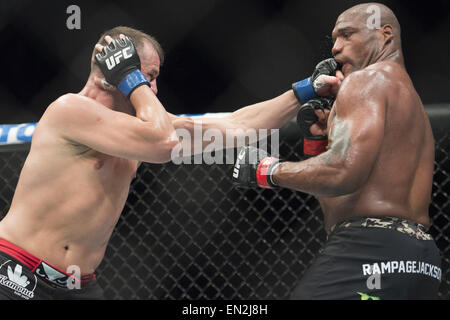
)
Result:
{"points": [[220, 54]]}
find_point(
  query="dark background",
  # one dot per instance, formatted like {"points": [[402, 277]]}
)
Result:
{"points": [[185, 232], [220, 54]]}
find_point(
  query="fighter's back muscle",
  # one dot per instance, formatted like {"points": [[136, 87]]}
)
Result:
{"points": [[399, 183]]}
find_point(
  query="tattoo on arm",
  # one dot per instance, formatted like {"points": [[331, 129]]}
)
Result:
{"points": [[340, 142]]}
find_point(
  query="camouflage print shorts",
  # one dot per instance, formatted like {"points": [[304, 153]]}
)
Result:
{"points": [[401, 225]]}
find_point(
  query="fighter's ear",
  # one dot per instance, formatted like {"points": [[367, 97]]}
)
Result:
{"points": [[388, 33]]}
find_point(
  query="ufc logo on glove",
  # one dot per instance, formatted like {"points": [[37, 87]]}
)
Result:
{"points": [[237, 166], [121, 66], [115, 59]]}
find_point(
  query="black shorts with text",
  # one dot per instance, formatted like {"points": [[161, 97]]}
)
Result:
{"points": [[372, 259]]}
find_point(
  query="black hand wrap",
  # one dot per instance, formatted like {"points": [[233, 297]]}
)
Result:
{"points": [[121, 66], [306, 117]]}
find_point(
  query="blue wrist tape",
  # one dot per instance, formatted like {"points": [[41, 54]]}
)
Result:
{"points": [[304, 90], [132, 81]]}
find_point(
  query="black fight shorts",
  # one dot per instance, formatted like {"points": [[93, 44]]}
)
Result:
{"points": [[24, 277], [373, 259]]}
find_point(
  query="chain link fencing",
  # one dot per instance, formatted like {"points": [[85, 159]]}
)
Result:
{"points": [[187, 233]]}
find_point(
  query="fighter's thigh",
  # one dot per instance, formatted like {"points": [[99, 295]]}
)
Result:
{"points": [[330, 278]]}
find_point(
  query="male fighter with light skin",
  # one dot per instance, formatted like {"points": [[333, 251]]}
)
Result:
{"points": [[73, 186], [84, 154], [373, 180]]}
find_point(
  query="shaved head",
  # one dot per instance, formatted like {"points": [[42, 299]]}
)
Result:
{"points": [[365, 34], [367, 14]]}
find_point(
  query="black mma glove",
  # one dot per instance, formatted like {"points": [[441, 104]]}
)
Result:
{"points": [[254, 167], [306, 89], [306, 117], [121, 66]]}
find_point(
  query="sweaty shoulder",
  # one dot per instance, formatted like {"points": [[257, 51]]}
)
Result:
{"points": [[372, 84], [372, 78]]}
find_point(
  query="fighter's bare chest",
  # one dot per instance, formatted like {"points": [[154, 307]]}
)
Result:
{"points": [[111, 168]]}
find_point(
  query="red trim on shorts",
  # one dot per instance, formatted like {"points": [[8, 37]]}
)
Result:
{"points": [[19, 254], [33, 262]]}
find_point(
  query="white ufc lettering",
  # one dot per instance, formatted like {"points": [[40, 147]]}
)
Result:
{"points": [[237, 166], [117, 56], [126, 55], [114, 60]]}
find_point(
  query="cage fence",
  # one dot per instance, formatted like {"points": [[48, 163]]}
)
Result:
{"points": [[187, 233]]}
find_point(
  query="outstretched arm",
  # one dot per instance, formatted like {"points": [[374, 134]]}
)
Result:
{"points": [[270, 114]]}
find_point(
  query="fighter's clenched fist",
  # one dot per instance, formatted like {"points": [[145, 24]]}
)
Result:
{"points": [[312, 120], [324, 82], [254, 167]]}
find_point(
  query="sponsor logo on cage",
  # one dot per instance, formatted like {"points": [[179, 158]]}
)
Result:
{"points": [[12, 277], [220, 146], [413, 267], [16, 133], [115, 60]]}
